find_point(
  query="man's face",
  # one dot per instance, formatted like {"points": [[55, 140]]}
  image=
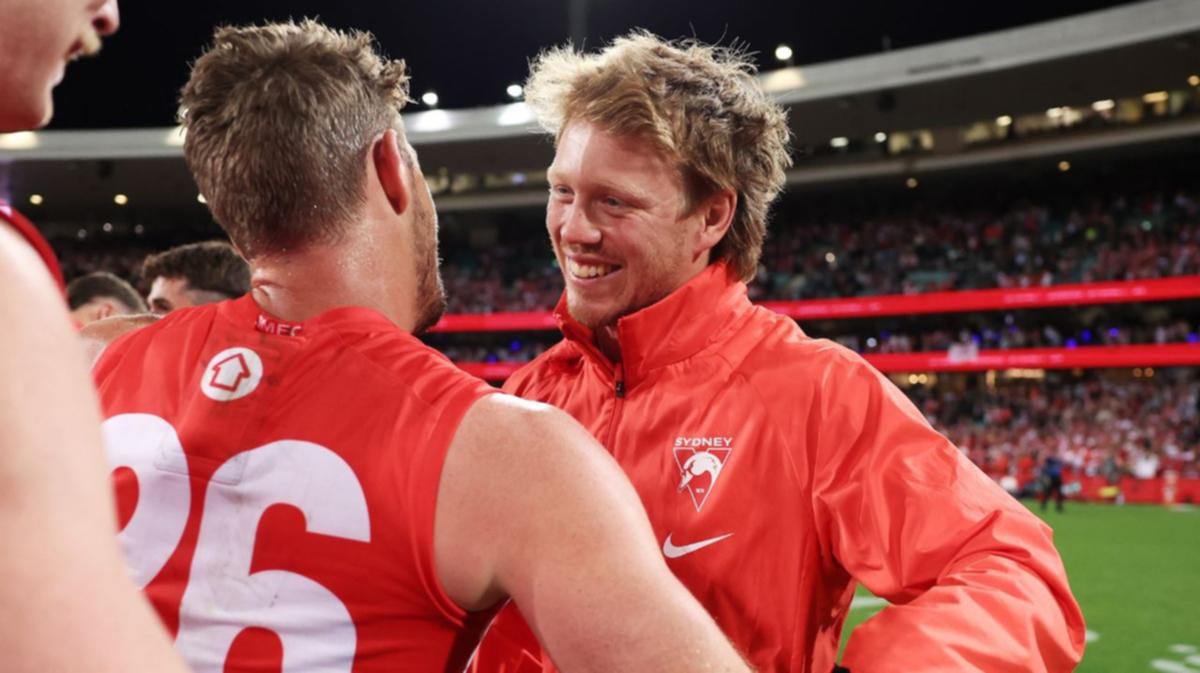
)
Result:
{"points": [[168, 294], [37, 39], [617, 221], [430, 292]]}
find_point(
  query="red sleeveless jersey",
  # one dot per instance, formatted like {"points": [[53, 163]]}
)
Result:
{"points": [[277, 483]]}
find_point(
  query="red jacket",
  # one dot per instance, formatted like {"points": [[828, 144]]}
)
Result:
{"points": [[778, 469]]}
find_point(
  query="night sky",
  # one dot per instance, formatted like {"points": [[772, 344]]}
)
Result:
{"points": [[470, 50]]}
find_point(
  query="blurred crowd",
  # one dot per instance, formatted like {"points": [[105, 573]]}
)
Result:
{"points": [[1117, 238], [1097, 423], [997, 336], [505, 277], [1005, 337]]}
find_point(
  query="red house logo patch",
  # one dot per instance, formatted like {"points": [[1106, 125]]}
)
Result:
{"points": [[231, 374], [700, 461]]}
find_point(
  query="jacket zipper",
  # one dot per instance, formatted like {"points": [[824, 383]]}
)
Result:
{"points": [[618, 400]]}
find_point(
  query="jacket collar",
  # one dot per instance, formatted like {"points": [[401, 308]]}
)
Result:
{"points": [[677, 327]]}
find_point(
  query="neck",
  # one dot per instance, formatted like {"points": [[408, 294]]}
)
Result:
{"points": [[607, 342], [301, 284]]}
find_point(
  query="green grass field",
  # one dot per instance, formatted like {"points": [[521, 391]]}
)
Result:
{"points": [[1136, 573]]}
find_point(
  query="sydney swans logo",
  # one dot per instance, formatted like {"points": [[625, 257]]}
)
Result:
{"points": [[700, 461]]}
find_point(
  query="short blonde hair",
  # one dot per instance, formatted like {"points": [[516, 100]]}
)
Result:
{"points": [[697, 104], [279, 121]]}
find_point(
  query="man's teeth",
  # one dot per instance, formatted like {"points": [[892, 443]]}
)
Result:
{"points": [[589, 270]]}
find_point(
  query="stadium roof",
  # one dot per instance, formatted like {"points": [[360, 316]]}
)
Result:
{"points": [[1127, 50]]}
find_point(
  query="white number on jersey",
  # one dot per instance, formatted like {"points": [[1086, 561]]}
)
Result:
{"points": [[222, 596], [149, 446]]}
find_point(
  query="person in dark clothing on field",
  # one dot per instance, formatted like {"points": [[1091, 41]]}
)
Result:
{"points": [[1052, 468]]}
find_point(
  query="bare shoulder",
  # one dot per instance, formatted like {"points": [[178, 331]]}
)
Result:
{"points": [[510, 426], [109, 329], [98, 335], [508, 413]]}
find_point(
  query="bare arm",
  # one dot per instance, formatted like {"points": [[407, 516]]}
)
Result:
{"points": [[66, 602], [532, 507]]}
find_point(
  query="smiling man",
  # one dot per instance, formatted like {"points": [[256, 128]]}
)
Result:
{"points": [[777, 470]]}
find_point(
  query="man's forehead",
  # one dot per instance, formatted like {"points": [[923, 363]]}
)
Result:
{"points": [[587, 148], [169, 283]]}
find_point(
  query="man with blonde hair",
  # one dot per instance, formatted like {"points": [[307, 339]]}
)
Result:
{"points": [[310, 488], [66, 602], [777, 470]]}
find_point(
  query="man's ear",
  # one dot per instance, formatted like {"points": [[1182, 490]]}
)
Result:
{"points": [[716, 213], [392, 171]]}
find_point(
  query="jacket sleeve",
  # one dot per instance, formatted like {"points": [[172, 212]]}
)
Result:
{"points": [[973, 578], [521, 381]]}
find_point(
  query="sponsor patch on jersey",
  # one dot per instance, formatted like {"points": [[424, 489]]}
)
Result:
{"points": [[700, 461], [268, 325], [231, 374]]}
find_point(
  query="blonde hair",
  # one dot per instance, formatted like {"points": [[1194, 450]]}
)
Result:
{"points": [[279, 121], [697, 104]]}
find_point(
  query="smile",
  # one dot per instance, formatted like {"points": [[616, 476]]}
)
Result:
{"points": [[589, 270]]}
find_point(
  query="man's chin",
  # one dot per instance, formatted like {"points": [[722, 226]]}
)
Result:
{"points": [[26, 115], [428, 319], [430, 314], [591, 316]]}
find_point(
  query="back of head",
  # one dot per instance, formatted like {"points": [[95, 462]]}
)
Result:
{"points": [[279, 121], [210, 266], [698, 105], [104, 285]]}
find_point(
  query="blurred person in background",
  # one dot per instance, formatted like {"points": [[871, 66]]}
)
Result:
{"points": [[66, 600], [193, 275], [778, 470], [1052, 480], [99, 295]]}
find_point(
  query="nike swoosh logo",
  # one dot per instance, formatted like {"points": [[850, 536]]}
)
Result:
{"points": [[671, 551]]}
